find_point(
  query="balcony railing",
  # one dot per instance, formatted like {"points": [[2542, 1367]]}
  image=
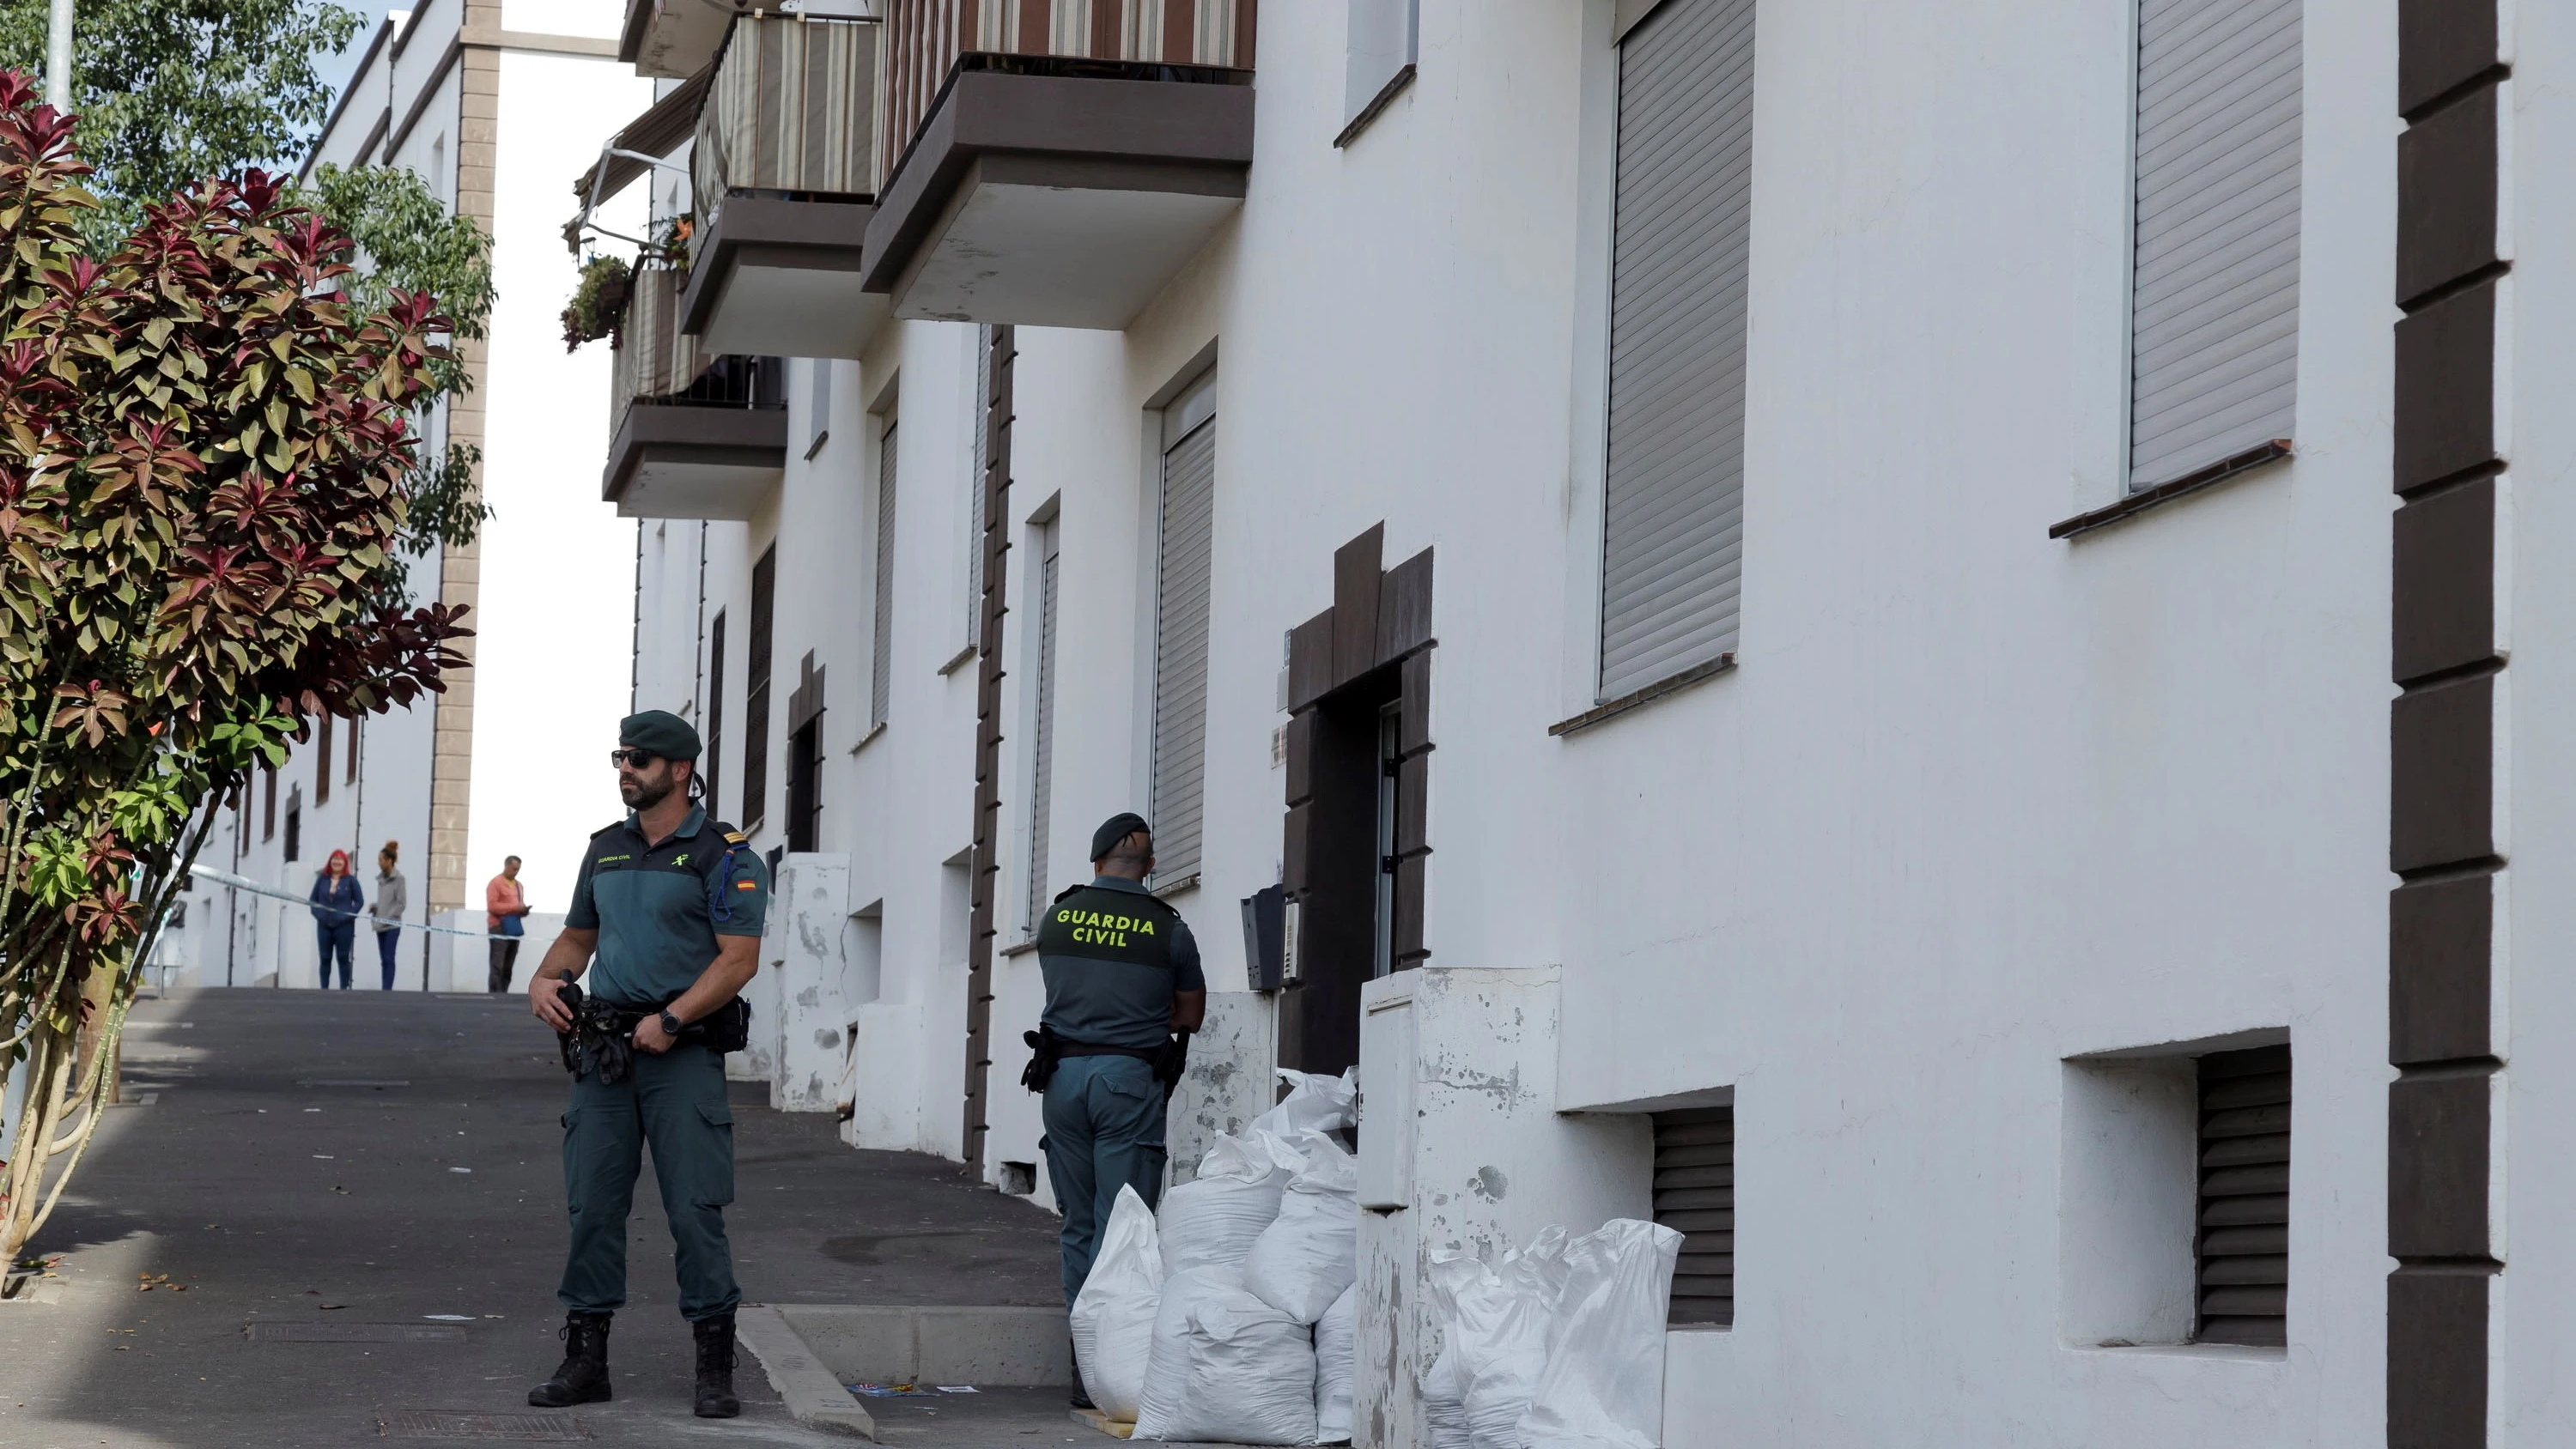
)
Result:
{"points": [[789, 109], [924, 39], [782, 171], [653, 358], [692, 434]]}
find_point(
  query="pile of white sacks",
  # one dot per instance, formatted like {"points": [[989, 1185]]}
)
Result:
{"points": [[1232, 1318]]}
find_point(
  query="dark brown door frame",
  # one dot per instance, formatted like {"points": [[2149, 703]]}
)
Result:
{"points": [[1372, 647], [985, 872], [2441, 831]]}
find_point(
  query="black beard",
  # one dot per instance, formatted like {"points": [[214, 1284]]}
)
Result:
{"points": [[640, 796]]}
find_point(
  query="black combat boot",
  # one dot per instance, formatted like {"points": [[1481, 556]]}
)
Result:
{"points": [[715, 1368], [1081, 1393], [583, 1379]]}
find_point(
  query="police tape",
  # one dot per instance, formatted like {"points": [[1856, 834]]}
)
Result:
{"points": [[230, 881]]}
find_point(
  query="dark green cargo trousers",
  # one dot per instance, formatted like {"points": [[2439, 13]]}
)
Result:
{"points": [[1104, 1131], [676, 1102]]}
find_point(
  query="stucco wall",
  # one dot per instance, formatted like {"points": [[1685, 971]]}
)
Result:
{"points": [[1973, 802]]}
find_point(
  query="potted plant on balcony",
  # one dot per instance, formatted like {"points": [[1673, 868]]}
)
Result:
{"points": [[598, 305]]}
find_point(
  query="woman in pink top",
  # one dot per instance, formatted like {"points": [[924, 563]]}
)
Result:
{"points": [[504, 902]]}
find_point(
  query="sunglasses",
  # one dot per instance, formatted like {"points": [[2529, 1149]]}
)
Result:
{"points": [[638, 758]]}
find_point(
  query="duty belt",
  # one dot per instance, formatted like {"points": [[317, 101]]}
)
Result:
{"points": [[1046, 1049], [602, 1038]]}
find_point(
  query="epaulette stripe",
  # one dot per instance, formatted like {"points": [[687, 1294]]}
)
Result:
{"points": [[735, 837]]}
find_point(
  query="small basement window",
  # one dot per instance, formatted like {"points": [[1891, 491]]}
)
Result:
{"points": [[2243, 1248], [1695, 1196]]}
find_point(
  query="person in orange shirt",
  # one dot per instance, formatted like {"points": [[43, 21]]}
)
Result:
{"points": [[505, 901]]}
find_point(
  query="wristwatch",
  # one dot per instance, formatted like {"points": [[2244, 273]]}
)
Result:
{"points": [[670, 1025]]}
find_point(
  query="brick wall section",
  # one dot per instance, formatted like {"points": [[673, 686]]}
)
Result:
{"points": [[2450, 477], [451, 776]]}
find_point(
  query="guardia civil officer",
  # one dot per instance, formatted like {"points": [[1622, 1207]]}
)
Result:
{"points": [[666, 920], [1123, 990]]}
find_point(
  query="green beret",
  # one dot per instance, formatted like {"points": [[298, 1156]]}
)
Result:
{"points": [[662, 732], [1115, 829]]}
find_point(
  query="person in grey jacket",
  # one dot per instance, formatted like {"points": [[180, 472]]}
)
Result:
{"points": [[393, 897]]}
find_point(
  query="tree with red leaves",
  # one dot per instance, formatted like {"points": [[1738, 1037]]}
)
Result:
{"points": [[203, 451]]}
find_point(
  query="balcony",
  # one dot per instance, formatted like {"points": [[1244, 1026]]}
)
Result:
{"points": [[694, 434], [671, 39], [782, 171], [1055, 190], [674, 39]]}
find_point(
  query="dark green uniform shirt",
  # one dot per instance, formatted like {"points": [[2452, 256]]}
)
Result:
{"points": [[658, 908], [1113, 955]]}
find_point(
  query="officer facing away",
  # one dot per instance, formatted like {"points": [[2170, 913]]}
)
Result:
{"points": [[1123, 991], [666, 916]]}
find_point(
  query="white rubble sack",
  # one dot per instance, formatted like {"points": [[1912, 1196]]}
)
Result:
{"points": [[1315, 1103], [1444, 1395], [1336, 1362], [1113, 1316], [1500, 1331], [1211, 1222], [1227, 1368], [1444, 1406], [1310, 1253], [1603, 1387]]}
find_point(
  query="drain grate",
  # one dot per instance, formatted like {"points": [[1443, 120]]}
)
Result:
{"points": [[267, 1332], [515, 1428]]}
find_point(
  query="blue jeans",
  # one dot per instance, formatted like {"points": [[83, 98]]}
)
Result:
{"points": [[387, 942], [336, 939], [1104, 1131]]}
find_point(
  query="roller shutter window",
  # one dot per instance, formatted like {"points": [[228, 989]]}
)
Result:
{"points": [[818, 411], [1673, 507], [2214, 320], [1695, 1196], [881, 663], [2243, 1256], [755, 695], [1042, 744], [1181, 649]]}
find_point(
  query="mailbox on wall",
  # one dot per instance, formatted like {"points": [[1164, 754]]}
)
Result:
{"points": [[1265, 938]]}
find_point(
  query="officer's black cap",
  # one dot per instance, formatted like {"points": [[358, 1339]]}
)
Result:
{"points": [[1115, 829], [662, 732]]}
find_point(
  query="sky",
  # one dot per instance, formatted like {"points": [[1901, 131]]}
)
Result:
{"points": [[336, 70]]}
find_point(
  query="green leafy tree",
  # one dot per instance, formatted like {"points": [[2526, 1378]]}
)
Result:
{"points": [[168, 91], [408, 242], [204, 439]]}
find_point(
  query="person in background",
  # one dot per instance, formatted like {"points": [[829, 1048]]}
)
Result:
{"points": [[393, 897], [336, 904], [505, 901]]}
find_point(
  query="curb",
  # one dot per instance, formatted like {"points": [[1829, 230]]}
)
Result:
{"points": [[813, 1393]]}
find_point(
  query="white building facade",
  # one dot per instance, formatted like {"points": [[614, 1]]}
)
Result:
{"points": [[494, 102], [1903, 624]]}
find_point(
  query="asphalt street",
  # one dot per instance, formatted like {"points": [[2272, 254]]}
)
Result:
{"points": [[297, 1167]]}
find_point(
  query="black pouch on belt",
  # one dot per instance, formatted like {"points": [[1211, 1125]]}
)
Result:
{"points": [[725, 1029], [1045, 1050]]}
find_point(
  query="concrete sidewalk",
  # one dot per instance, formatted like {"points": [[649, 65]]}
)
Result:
{"points": [[385, 1167]]}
